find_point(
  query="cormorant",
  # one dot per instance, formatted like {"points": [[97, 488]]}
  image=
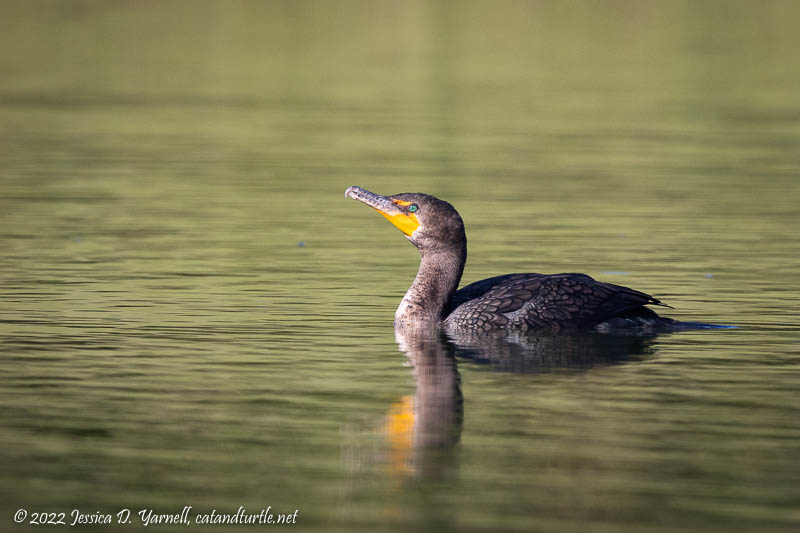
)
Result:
{"points": [[512, 301]]}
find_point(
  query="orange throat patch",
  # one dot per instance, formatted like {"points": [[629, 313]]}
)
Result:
{"points": [[405, 222]]}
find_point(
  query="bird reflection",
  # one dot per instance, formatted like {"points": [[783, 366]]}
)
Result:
{"points": [[423, 430], [422, 426], [536, 352]]}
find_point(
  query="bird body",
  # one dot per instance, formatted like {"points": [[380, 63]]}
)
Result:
{"points": [[512, 301], [555, 301]]}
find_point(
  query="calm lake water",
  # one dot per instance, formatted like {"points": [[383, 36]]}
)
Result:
{"points": [[191, 314]]}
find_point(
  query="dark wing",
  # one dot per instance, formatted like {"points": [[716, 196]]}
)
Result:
{"points": [[479, 288], [530, 301], [492, 303]]}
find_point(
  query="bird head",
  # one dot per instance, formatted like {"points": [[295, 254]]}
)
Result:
{"points": [[429, 223]]}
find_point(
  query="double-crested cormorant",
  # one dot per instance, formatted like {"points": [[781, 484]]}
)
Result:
{"points": [[513, 301]]}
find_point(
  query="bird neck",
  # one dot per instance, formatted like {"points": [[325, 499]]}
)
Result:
{"points": [[433, 288]]}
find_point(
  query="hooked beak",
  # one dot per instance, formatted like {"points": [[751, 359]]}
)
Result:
{"points": [[393, 210]]}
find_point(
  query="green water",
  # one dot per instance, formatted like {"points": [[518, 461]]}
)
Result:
{"points": [[191, 314]]}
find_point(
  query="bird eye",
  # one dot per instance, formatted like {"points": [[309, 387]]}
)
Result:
{"points": [[412, 208]]}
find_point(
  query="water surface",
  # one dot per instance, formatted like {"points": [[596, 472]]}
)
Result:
{"points": [[190, 313]]}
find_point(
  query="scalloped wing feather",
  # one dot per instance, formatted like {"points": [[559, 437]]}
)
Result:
{"points": [[532, 301]]}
